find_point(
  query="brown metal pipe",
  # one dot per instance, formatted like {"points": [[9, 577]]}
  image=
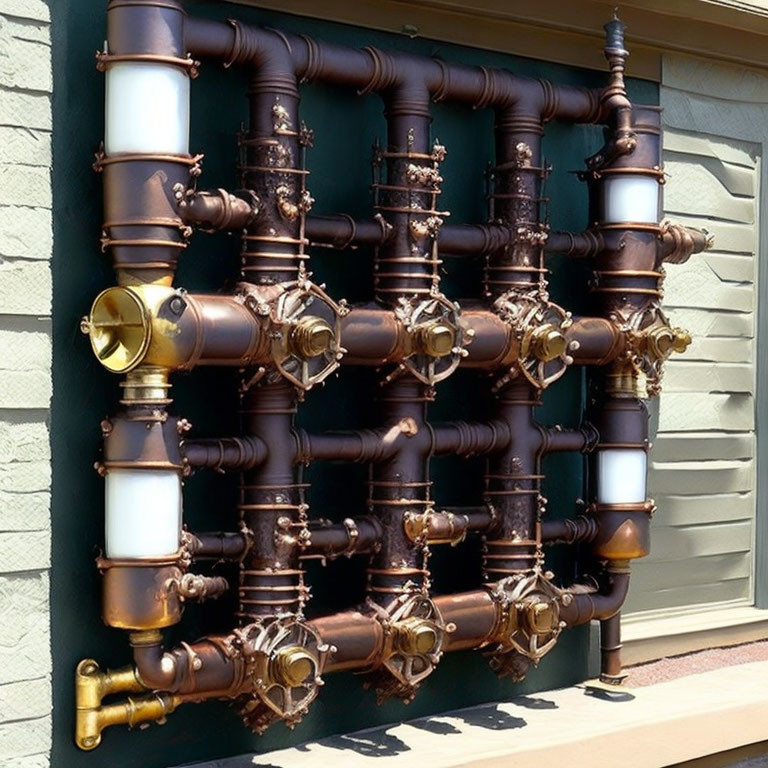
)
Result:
{"points": [[357, 536], [216, 545], [224, 453], [594, 341], [474, 616], [610, 651], [579, 529], [218, 209], [357, 637], [371, 69], [344, 232], [588, 604], [190, 668]]}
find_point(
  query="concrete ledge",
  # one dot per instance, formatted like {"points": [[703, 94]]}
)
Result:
{"points": [[651, 637], [586, 725]]}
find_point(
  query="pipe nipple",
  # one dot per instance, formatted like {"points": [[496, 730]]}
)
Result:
{"points": [[311, 337], [416, 636], [437, 339], [292, 665], [548, 342]]}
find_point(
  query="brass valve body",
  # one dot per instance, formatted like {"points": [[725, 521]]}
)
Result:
{"points": [[312, 336], [291, 666]]}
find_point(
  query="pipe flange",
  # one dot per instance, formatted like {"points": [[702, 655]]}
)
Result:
{"points": [[530, 623], [283, 660], [414, 634], [304, 329], [436, 338], [538, 331]]}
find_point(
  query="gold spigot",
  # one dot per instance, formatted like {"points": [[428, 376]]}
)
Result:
{"points": [[119, 328], [292, 665], [547, 342], [416, 636], [663, 340], [92, 685], [311, 336], [437, 339], [682, 340]]}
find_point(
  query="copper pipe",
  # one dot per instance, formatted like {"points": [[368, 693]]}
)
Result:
{"points": [[361, 535], [588, 604], [190, 668], [216, 545], [218, 209], [224, 453], [374, 70], [610, 651], [580, 529]]}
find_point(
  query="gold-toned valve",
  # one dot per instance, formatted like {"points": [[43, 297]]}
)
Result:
{"points": [[682, 340], [292, 665], [416, 636], [547, 342], [119, 328], [542, 617], [663, 340], [437, 338], [311, 336]]}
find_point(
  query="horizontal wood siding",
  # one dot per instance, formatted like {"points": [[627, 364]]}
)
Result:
{"points": [[703, 463]]}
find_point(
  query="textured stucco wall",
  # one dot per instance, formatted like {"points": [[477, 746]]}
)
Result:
{"points": [[25, 382]]}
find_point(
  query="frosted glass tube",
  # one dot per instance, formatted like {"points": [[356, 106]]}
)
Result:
{"points": [[147, 109], [630, 198], [621, 475], [143, 512]]}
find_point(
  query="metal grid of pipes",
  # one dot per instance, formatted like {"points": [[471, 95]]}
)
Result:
{"points": [[285, 334]]}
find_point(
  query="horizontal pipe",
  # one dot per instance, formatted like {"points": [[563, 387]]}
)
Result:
{"points": [[190, 668], [559, 440], [594, 341], [371, 69], [358, 639], [224, 453], [216, 545], [218, 210], [356, 536], [588, 603], [579, 529]]}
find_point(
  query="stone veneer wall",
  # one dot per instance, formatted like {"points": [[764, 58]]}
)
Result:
{"points": [[25, 382]]}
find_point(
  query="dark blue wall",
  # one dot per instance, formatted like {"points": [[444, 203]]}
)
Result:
{"points": [[345, 127]]}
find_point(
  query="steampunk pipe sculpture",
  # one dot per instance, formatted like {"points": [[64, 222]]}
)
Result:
{"points": [[284, 334]]}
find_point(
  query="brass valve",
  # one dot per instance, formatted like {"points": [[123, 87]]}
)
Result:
{"points": [[662, 341], [542, 617], [547, 342], [437, 338], [311, 336], [415, 636], [292, 665]]}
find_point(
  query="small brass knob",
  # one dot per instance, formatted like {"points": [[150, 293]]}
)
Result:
{"points": [[437, 339], [542, 617], [548, 342], [292, 666], [682, 340], [416, 637], [661, 341], [311, 336]]}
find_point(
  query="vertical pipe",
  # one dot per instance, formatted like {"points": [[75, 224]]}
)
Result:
{"points": [[146, 142], [273, 246], [400, 485], [405, 265], [271, 507], [516, 200], [512, 487], [610, 650]]}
